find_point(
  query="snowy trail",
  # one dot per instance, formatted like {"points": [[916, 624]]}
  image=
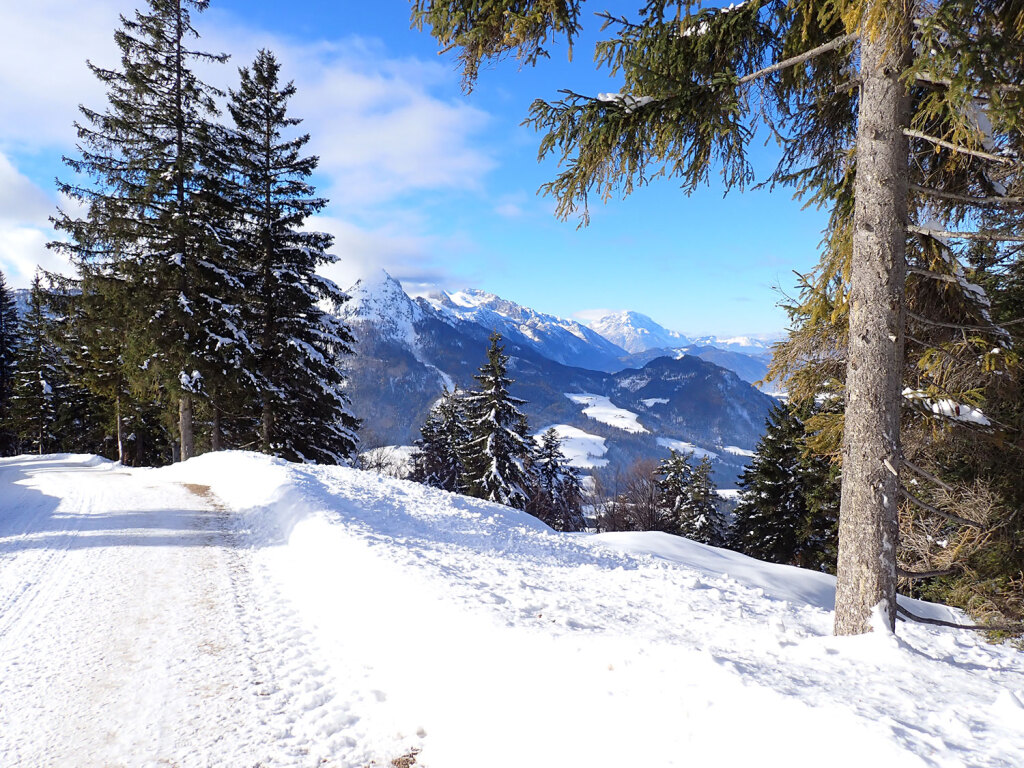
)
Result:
{"points": [[237, 610], [131, 631]]}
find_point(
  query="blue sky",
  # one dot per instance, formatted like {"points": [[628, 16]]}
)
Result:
{"points": [[436, 186]]}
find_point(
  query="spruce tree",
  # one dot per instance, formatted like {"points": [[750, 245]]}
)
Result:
{"points": [[700, 516], [556, 496], [9, 342], [34, 404], [296, 348], [675, 474], [155, 204], [498, 451], [862, 96], [440, 461]]}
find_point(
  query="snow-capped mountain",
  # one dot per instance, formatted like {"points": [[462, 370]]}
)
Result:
{"points": [[381, 297], [635, 332], [409, 349], [758, 346], [561, 340]]}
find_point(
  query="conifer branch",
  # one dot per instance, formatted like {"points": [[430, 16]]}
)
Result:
{"points": [[806, 56], [967, 199], [957, 147], [983, 235], [936, 511]]}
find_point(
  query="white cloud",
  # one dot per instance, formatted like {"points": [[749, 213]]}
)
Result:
{"points": [[24, 227], [588, 316], [376, 123], [413, 258]]}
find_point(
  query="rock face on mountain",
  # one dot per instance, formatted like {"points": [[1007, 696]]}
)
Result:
{"points": [[409, 349]]}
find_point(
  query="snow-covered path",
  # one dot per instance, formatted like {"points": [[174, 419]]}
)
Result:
{"points": [[236, 610], [133, 632]]}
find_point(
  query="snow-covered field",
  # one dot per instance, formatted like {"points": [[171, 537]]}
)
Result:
{"points": [[600, 408], [582, 449], [681, 446], [235, 610]]}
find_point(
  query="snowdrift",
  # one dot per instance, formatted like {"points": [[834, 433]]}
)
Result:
{"points": [[477, 635]]}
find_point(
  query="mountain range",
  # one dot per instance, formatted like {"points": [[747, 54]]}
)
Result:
{"points": [[612, 407]]}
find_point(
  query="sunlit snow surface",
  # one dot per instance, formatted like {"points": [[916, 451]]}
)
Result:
{"points": [[682, 446], [600, 408], [326, 616], [582, 449]]}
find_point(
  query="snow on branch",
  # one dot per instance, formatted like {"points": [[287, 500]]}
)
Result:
{"points": [[948, 408]]}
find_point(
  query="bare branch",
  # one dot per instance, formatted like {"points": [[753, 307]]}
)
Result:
{"points": [[957, 326], [936, 511], [792, 62], [968, 199], [927, 476], [956, 147], [916, 576], [932, 275], [993, 236]]}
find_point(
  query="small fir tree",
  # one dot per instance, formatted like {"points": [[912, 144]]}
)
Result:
{"points": [[34, 410], [440, 461], [675, 474], [789, 498], [773, 505], [556, 496], [700, 517], [9, 341], [295, 347], [499, 447]]}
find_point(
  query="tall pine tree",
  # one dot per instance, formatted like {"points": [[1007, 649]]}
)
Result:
{"points": [[155, 204], [296, 347], [499, 447]]}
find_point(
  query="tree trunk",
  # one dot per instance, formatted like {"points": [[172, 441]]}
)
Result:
{"points": [[119, 429], [267, 422], [868, 525], [216, 439], [188, 440]]}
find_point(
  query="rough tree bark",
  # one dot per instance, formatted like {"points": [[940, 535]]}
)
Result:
{"points": [[188, 440], [866, 576]]}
